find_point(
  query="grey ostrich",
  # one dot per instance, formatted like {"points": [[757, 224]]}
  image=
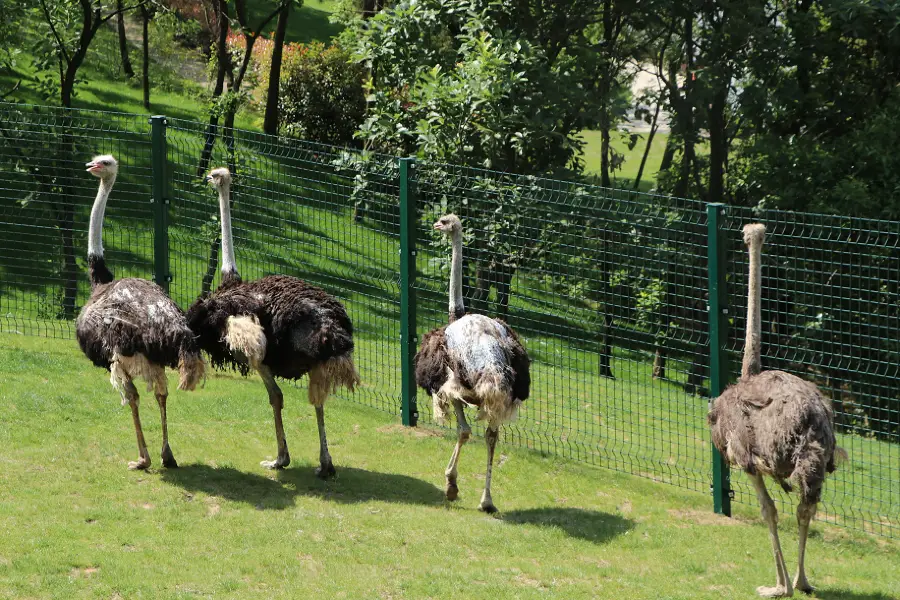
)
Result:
{"points": [[130, 327], [278, 326], [774, 423], [475, 361]]}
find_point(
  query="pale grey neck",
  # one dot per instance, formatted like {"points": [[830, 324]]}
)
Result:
{"points": [[228, 262], [456, 297], [95, 228], [752, 363]]}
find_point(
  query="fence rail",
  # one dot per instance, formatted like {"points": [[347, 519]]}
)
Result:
{"points": [[631, 305]]}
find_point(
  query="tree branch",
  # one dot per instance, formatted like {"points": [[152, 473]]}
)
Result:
{"points": [[59, 42], [124, 10]]}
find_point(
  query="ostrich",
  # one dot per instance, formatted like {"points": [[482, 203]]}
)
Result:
{"points": [[278, 326], [774, 423], [475, 361], [130, 327]]}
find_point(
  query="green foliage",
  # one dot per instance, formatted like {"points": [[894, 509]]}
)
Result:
{"points": [[321, 97], [451, 84]]}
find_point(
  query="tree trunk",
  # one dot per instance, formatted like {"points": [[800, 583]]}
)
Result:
{"points": [[222, 63], [145, 43], [605, 180], [270, 124], [653, 127], [123, 40]]}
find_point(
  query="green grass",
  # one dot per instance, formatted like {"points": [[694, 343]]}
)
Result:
{"points": [[309, 24], [626, 175], [76, 524]]}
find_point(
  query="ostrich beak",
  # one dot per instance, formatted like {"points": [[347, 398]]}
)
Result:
{"points": [[92, 167], [208, 179], [437, 226]]}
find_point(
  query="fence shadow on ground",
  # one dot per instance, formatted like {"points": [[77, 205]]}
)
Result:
{"points": [[590, 525], [351, 486]]}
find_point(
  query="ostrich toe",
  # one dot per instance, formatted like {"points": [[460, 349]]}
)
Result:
{"points": [[774, 592]]}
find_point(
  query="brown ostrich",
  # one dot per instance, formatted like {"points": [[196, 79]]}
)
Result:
{"points": [[278, 326], [130, 327], [473, 361], [774, 423]]}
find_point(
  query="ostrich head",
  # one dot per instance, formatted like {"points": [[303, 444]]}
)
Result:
{"points": [[448, 224], [220, 178], [103, 166]]}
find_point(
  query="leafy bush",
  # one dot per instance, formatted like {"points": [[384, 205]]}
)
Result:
{"points": [[322, 97]]}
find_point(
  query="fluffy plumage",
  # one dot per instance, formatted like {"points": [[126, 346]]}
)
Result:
{"points": [[484, 361], [779, 425], [127, 317], [303, 325]]}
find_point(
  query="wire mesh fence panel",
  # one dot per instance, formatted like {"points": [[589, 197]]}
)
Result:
{"points": [[45, 204], [606, 288], [830, 314], [292, 214]]}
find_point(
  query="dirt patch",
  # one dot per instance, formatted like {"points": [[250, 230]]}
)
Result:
{"points": [[83, 571], [418, 432], [525, 580], [626, 507], [703, 517]]}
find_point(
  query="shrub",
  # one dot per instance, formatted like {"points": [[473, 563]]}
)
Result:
{"points": [[322, 97]]}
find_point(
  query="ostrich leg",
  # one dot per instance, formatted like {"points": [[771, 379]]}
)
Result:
{"points": [[168, 459], [490, 437], [464, 431], [276, 399], [131, 394], [782, 588], [319, 386], [805, 513]]}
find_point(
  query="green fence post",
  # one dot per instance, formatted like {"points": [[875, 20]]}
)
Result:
{"points": [[160, 202], [718, 337], [409, 411]]}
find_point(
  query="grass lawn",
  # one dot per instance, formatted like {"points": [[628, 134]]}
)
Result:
{"points": [[625, 176], [76, 524]]}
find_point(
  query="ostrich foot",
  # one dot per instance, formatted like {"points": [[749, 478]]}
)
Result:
{"points": [[326, 470], [803, 586], [487, 507], [168, 459], [279, 463], [778, 591], [452, 490], [139, 464]]}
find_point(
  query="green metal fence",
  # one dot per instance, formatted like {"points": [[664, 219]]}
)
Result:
{"points": [[631, 305]]}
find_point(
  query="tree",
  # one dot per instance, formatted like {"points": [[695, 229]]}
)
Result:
{"points": [[222, 105], [146, 15], [72, 26], [270, 123], [123, 39]]}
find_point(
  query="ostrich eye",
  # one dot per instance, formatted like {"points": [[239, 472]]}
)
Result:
{"points": [[106, 162]]}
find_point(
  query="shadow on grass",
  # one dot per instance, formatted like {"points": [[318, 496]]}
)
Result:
{"points": [[840, 594], [349, 487], [590, 525]]}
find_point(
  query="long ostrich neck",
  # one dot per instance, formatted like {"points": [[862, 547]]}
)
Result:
{"points": [[228, 263], [95, 229], [752, 364], [457, 308]]}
